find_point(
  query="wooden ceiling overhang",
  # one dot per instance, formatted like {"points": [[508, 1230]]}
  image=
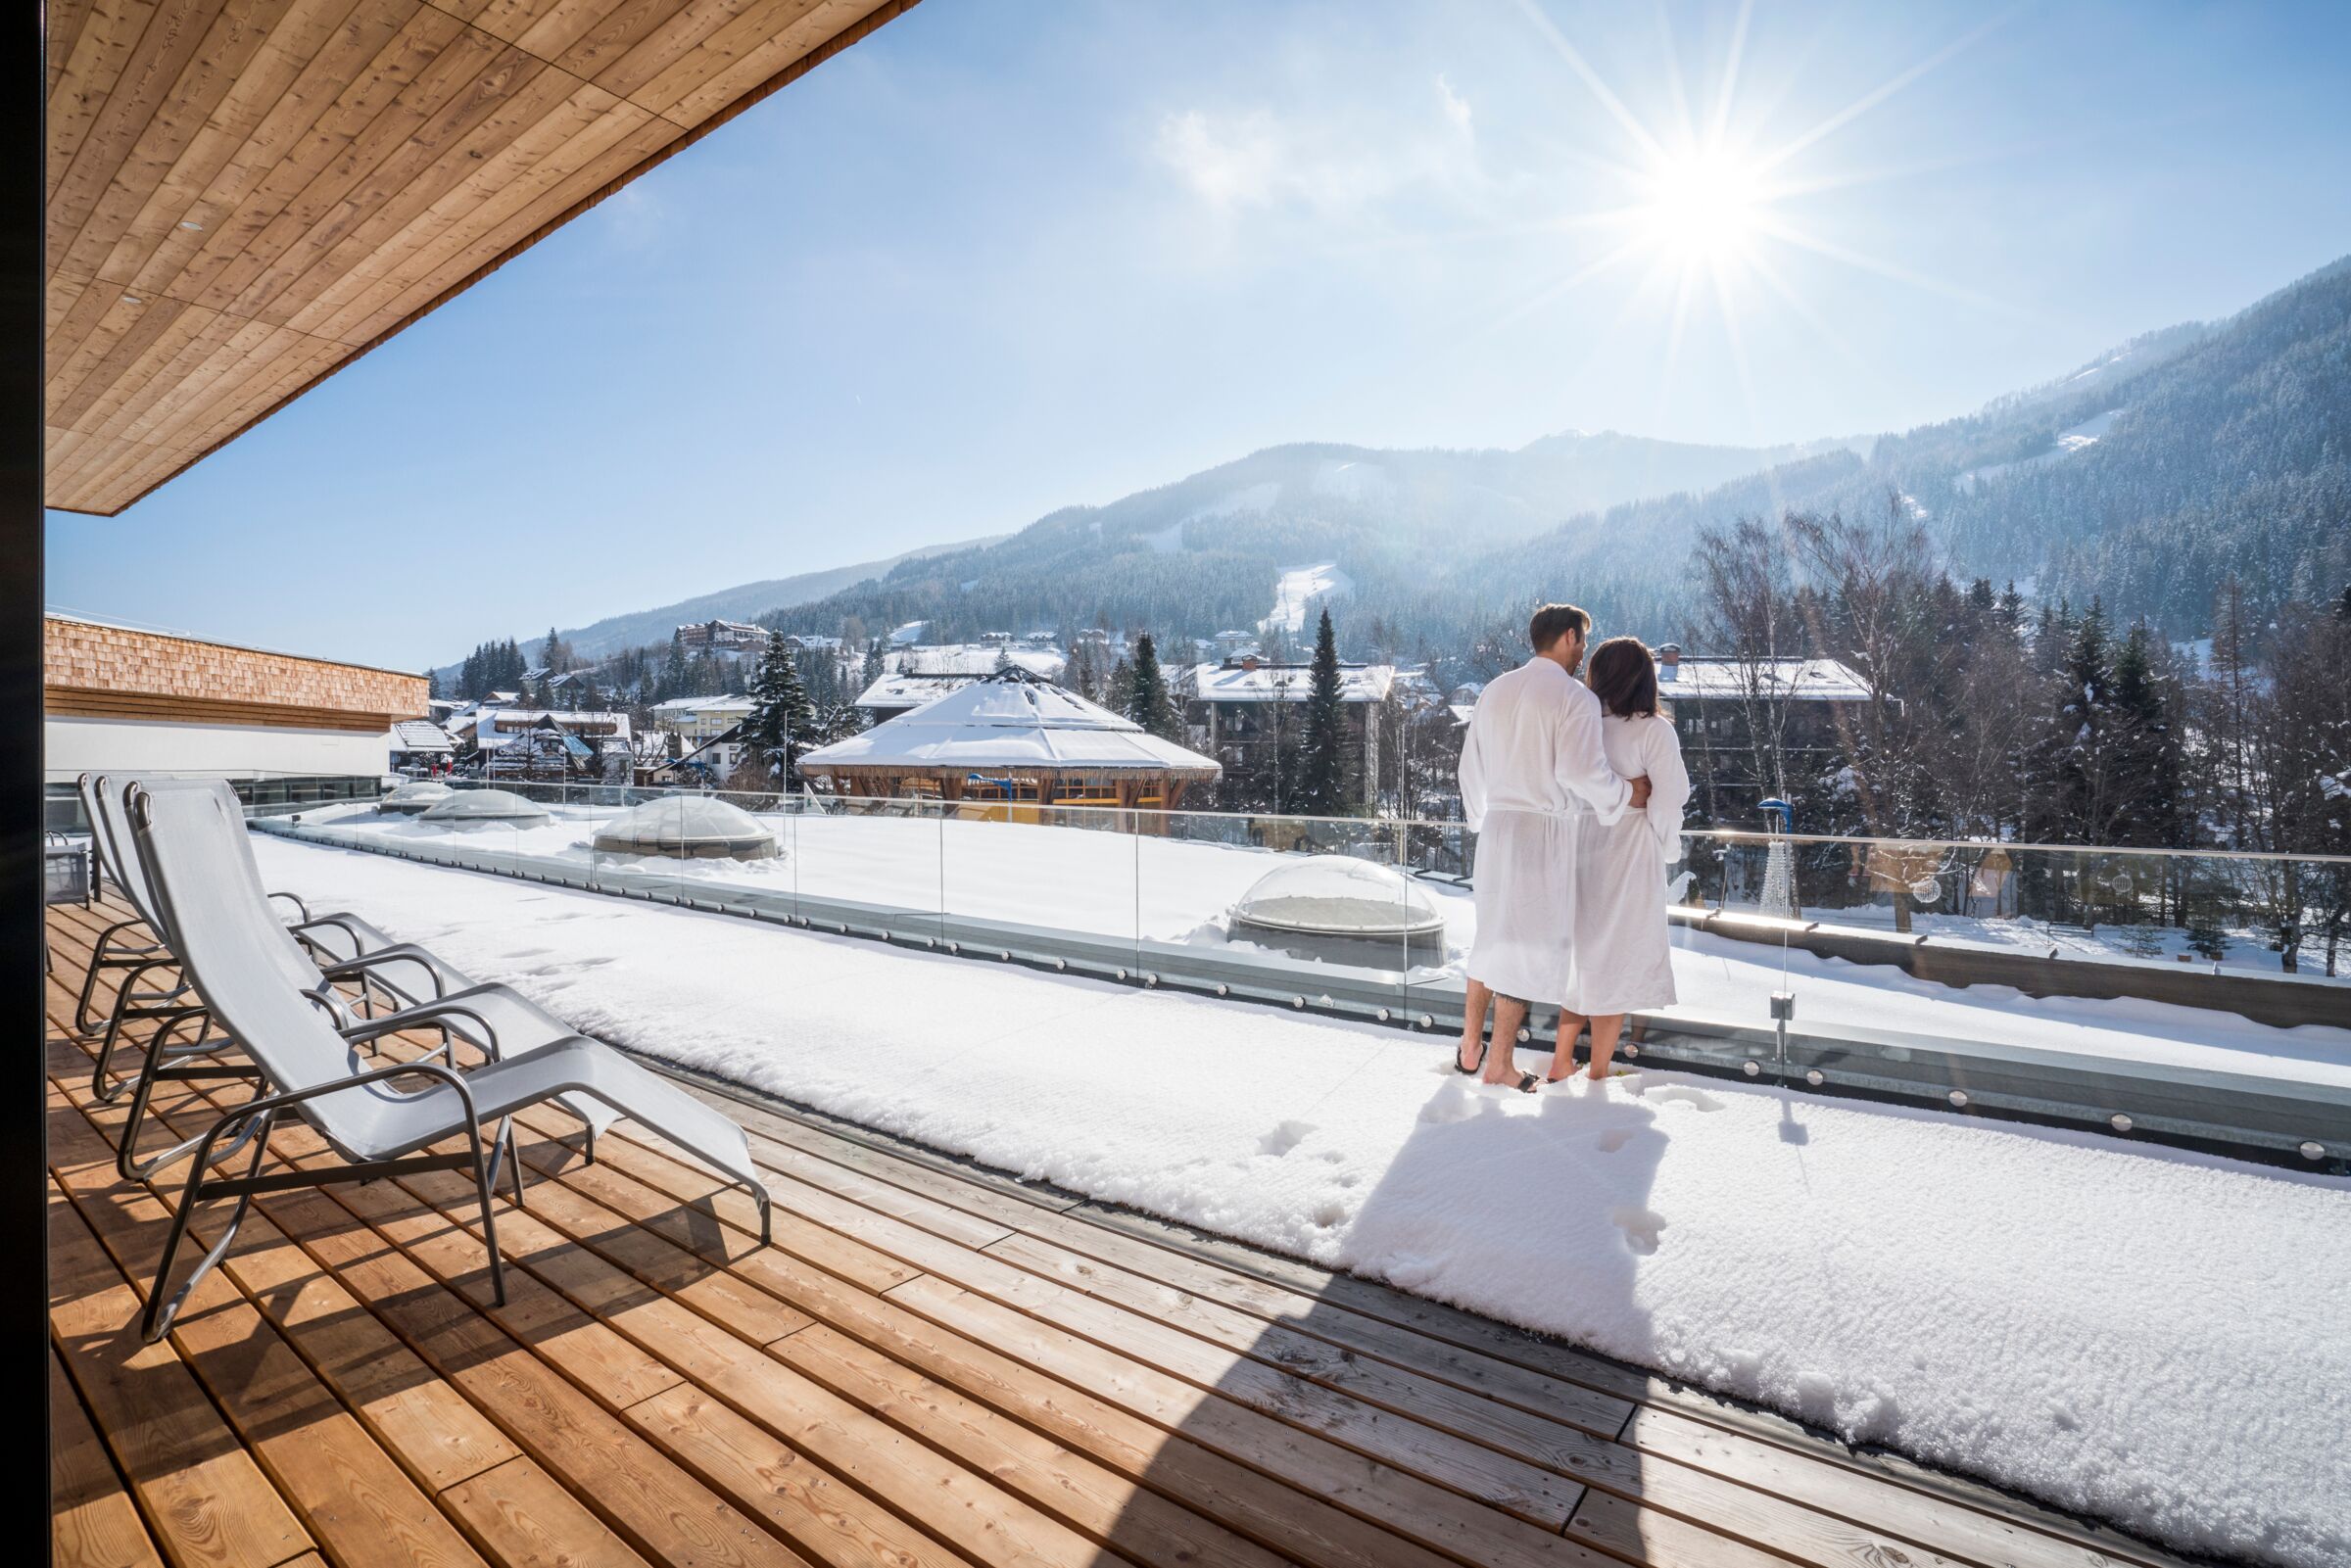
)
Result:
{"points": [[245, 195]]}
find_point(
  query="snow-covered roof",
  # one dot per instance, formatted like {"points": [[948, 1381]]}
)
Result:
{"points": [[1791, 679], [493, 727], [974, 658], [1282, 683], [685, 706], [1011, 720], [897, 692], [420, 735]]}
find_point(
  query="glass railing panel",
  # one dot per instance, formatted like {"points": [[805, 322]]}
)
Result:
{"points": [[870, 864], [1440, 858], [1043, 881]]}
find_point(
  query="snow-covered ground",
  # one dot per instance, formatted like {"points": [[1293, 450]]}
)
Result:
{"points": [[1150, 889], [2150, 1336]]}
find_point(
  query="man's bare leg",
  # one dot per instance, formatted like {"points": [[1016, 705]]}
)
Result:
{"points": [[1563, 1055], [1501, 1063], [1473, 1024], [1605, 1031]]}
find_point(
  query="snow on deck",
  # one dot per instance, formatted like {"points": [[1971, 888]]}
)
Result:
{"points": [[2146, 1335]]}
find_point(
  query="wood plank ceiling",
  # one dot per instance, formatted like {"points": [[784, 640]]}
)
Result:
{"points": [[245, 195]]}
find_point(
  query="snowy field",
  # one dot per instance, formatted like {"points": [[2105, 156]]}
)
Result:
{"points": [[1163, 890], [2152, 1337]]}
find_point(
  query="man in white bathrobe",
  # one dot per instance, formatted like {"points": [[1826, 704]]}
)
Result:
{"points": [[1533, 749]]}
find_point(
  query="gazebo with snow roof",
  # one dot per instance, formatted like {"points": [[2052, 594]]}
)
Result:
{"points": [[1017, 739]]}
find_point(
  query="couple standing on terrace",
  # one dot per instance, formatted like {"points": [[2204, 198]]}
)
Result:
{"points": [[1575, 789]]}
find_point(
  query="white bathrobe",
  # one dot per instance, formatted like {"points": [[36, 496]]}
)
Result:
{"points": [[1623, 948], [1532, 760]]}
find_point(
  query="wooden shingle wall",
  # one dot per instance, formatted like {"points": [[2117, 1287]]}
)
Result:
{"points": [[96, 671]]}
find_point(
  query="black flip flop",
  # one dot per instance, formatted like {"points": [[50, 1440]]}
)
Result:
{"points": [[1477, 1067], [1528, 1083]]}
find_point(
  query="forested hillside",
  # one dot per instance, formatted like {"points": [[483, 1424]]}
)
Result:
{"points": [[2145, 480]]}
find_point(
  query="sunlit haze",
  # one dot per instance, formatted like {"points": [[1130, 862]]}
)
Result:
{"points": [[1002, 257]]}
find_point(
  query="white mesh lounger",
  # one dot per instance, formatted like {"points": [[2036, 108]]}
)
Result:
{"points": [[188, 847], [424, 991]]}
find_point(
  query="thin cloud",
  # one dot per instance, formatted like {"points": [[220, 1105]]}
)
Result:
{"points": [[1330, 167]]}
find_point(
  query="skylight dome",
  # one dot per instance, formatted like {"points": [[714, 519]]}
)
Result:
{"points": [[465, 807], [409, 799], [1341, 910], [691, 826]]}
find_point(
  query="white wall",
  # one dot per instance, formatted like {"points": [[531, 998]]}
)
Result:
{"points": [[148, 745]]}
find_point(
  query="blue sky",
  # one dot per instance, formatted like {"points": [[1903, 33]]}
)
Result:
{"points": [[1005, 257]]}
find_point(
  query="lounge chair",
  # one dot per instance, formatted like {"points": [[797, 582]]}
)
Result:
{"points": [[128, 944], [189, 850], [423, 991]]}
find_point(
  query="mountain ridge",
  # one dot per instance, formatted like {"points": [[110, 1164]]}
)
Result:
{"points": [[2145, 476]]}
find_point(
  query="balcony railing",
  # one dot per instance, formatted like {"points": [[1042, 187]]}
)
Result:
{"points": [[2066, 983]]}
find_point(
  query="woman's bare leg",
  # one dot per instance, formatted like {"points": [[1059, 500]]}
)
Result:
{"points": [[1563, 1055], [1473, 1024], [1604, 1029]]}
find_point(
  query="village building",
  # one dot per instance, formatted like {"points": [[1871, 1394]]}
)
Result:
{"points": [[1239, 710], [554, 744], [707, 729], [419, 745], [1009, 745], [723, 639], [1716, 702]]}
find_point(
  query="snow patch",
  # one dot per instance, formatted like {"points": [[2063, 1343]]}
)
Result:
{"points": [[1300, 589], [2078, 438]]}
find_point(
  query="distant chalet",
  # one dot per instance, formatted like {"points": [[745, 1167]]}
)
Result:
{"points": [[1011, 743]]}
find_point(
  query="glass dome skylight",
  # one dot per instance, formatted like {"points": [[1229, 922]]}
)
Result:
{"points": [[465, 806], [694, 827], [1343, 910], [418, 795]]}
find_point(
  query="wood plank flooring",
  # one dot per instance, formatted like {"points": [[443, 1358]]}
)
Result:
{"points": [[933, 1364]]}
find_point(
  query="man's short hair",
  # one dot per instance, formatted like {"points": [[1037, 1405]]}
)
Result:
{"points": [[1555, 621]]}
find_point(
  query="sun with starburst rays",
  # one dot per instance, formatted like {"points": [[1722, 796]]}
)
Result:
{"points": [[1700, 210]]}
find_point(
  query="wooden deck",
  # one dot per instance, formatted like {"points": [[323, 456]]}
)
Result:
{"points": [[932, 1364]]}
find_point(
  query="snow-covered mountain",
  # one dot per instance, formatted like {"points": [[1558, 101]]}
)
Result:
{"points": [[2145, 476]]}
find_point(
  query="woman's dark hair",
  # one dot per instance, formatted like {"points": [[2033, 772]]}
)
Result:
{"points": [[1624, 677], [1555, 621]]}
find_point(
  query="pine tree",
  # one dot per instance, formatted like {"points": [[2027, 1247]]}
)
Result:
{"points": [[782, 717], [2088, 765], [672, 682], [2146, 752], [551, 654], [1323, 760], [2012, 609], [1148, 702]]}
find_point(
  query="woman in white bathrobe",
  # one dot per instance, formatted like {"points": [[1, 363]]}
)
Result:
{"points": [[1624, 953]]}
